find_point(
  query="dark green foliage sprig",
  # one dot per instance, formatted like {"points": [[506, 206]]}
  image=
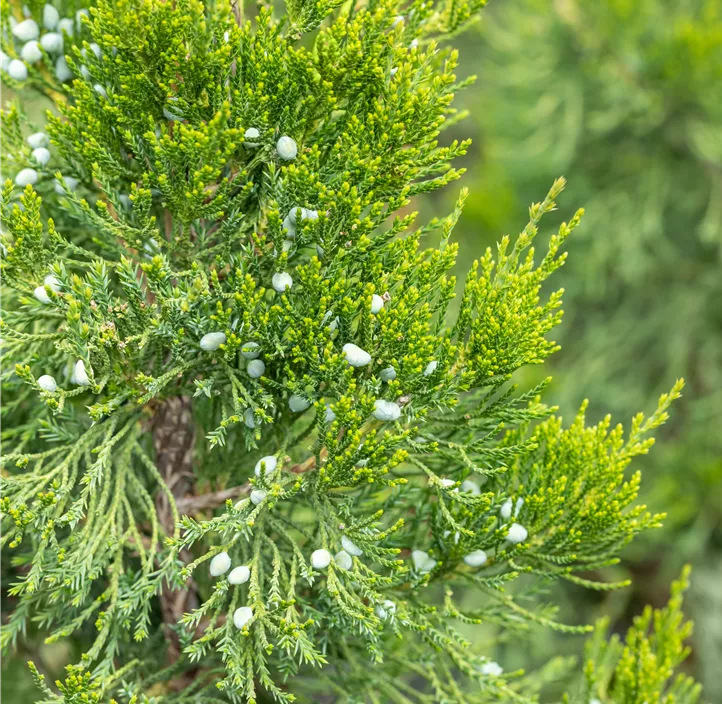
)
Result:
{"points": [[243, 357]]}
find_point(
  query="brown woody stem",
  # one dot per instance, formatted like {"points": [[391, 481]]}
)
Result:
{"points": [[173, 440]]}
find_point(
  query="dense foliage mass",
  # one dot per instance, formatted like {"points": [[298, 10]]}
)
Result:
{"points": [[247, 454]]}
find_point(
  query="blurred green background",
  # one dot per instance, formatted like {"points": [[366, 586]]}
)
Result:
{"points": [[624, 99]]}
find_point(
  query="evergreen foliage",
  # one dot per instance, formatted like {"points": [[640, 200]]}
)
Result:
{"points": [[226, 346]]}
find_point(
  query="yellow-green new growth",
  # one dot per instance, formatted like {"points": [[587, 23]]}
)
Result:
{"points": [[645, 666]]}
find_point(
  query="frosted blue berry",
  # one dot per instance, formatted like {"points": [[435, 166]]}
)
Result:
{"points": [[377, 303], [220, 564], [80, 375], [505, 511], [492, 669], [388, 374], [470, 487], [289, 226], [47, 383], [51, 17], [251, 350], [320, 559], [41, 294], [79, 16], [52, 281], [242, 617], [386, 609], [297, 403], [293, 215], [251, 136], [41, 155], [269, 462], [52, 42], [66, 25], [70, 182], [258, 496], [477, 558], [38, 139], [211, 341], [355, 356], [31, 52], [457, 536], [26, 177], [256, 368], [17, 70], [423, 562], [239, 575], [282, 281], [286, 148], [517, 533], [431, 368], [386, 410], [350, 547], [343, 560], [26, 30]]}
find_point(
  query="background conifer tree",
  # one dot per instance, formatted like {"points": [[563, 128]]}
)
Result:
{"points": [[247, 454]]}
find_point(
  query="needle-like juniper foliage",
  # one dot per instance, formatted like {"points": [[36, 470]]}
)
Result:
{"points": [[248, 454]]}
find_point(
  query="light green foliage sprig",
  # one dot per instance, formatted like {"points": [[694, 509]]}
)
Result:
{"points": [[643, 667], [246, 444]]}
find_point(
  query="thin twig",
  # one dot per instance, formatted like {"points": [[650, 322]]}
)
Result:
{"points": [[194, 504]]}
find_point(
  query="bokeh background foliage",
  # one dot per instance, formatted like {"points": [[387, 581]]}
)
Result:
{"points": [[624, 98]]}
